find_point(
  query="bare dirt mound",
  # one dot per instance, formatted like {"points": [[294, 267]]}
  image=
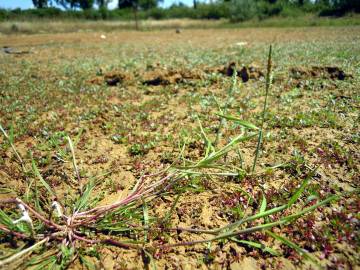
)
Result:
{"points": [[112, 78], [328, 72], [245, 73], [160, 76]]}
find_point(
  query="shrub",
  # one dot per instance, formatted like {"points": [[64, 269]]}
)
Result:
{"points": [[266, 9], [181, 12], [156, 13], [341, 7], [291, 11], [4, 15], [242, 10], [212, 11]]}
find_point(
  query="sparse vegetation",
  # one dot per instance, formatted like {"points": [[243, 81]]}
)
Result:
{"points": [[228, 13], [200, 153]]}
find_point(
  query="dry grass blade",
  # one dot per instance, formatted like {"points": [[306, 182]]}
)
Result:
{"points": [[76, 169], [11, 142], [267, 89], [18, 255]]}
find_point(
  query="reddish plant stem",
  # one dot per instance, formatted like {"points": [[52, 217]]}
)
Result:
{"points": [[190, 243], [119, 244], [192, 230], [108, 241], [17, 234], [108, 208]]}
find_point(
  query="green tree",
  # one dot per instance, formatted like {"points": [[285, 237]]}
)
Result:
{"points": [[125, 4], [242, 10], [346, 5], [86, 4], [148, 4], [102, 3], [66, 4], [138, 4], [40, 3], [71, 4]]}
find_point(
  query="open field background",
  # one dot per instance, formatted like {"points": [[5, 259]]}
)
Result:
{"points": [[41, 26], [54, 85]]}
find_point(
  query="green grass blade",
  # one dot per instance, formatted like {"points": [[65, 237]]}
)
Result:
{"points": [[38, 175], [89, 265], [151, 264], [84, 198], [301, 189], [210, 147], [146, 219], [220, 153], [292, 245], [10, 141], [269, 212], [168, 214], [239, 121], [310, 208], [272, 211], [263, 204], [78, 136], [257, 245], [6, 220], [50, 262], [265, 226]]}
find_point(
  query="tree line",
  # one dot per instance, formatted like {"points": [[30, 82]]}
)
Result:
{"points": [[343, 5], [88, 4], [234, 10]]}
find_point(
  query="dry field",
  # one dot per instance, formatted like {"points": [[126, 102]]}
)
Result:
{"points": [[67, 26], [115, 152]]}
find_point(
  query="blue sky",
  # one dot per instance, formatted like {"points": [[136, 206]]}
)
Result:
{"points": [[28, 3]]}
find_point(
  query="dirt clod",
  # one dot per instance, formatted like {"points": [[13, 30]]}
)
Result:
{"points": [[112, 79], [245, 73], [230, 69], [163, 76], [159, 80]]}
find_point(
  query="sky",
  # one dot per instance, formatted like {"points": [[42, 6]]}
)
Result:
{"points": [[24, 4]]}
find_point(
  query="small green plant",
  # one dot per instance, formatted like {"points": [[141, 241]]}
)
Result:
{"points": [[136, 150]]}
